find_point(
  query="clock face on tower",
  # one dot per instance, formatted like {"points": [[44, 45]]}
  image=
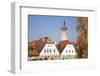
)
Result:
{"points": [[57, 37]]}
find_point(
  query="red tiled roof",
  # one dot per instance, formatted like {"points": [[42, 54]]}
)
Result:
{"points": [[33, 53], [61, 45], [39, 44]]}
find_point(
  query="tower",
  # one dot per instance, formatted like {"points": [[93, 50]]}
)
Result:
{"points": [[64, 32]]}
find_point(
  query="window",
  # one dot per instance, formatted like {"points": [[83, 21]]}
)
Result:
{"points": [[72, 51], [49, 45], [47, 50], [54, 50], [69, 51], [66, 51], [50, 50], [44, 50]]}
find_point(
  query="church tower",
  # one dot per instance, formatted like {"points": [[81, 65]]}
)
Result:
{"points": [[64, 32]]}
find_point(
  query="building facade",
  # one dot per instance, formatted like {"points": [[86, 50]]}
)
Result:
{"points": [[50, 52], [46, 49], [69, 52]]}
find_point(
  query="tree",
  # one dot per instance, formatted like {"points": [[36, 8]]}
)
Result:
{"points": [[82, 39]]}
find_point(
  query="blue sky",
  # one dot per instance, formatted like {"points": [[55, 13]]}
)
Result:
{"points": [[41, 26]]}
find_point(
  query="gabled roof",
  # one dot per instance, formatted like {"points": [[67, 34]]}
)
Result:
{"points": [[39, 44], [61, 45]]}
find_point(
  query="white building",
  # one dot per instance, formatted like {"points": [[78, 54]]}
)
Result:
{"points": [[50, 51], [69, 52]]}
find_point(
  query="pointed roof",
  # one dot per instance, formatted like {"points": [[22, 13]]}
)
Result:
{"points": [[64, 27], [61, 45], [39, 44]]}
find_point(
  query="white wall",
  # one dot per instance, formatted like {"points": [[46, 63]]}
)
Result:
{"points": [[51, 47], [64, 35], [69, 50], [5, 33]]}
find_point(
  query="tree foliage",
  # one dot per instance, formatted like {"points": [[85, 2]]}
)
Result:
{"points": [[82, 39]]}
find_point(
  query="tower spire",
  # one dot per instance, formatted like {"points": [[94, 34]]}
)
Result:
{"points": [[64, 31], [64, 26], [64, 23]]}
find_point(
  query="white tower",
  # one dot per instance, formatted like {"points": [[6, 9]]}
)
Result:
{"points": [[64, 32]]}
